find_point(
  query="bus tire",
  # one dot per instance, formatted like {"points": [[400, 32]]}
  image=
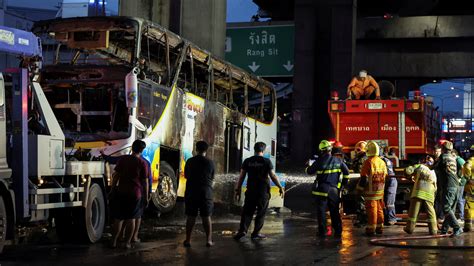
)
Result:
{"points": [[3, 224], [92, 218], [164, 197]]}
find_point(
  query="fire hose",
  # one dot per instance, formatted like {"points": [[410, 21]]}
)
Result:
{"points": [[402, 242]]}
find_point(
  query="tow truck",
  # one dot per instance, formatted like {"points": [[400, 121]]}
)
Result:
{"points": [[37, 182]]}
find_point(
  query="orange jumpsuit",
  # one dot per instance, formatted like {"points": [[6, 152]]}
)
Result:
{"points": [[363, 87], [372, 182]]}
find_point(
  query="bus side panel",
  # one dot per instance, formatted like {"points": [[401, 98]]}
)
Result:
{"points": [[166, 132], [192, 110], [253, 132]]}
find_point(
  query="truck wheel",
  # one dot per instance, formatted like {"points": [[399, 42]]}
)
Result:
{"points": [[164, 197], [3, 224], [92, 217]]}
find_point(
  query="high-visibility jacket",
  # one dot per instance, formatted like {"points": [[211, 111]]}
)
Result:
{"points": [[328, 170], [468, 173], [372, 179], [425, 183]]}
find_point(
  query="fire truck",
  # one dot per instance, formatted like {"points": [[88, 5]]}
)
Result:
{"points": [[381, 120], [356, 120]]}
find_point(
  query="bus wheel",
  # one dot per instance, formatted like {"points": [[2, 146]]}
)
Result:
{"points": [[92, 218], [3, 224], [164, 197]]}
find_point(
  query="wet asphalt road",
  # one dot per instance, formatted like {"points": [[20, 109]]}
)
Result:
{"points": [[291, 241]]}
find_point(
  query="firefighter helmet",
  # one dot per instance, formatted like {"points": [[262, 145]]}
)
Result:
{"points": [[361, 146], [324, 145], [338, 144], [372, 149], [410, 170]]}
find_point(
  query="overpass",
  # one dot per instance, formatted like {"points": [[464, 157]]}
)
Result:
{"points": [[409, 42]]}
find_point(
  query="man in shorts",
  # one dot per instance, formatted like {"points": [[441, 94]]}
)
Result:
{"points": [[130, 193], [199, 174]]}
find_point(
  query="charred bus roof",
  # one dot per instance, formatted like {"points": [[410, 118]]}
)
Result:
{"points": [[63, 28]]}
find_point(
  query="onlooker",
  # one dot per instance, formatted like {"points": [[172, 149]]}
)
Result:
{"points": [[257, 195], [199, 174], [128, 200]]}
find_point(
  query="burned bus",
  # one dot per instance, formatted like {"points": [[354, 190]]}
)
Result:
{"points": [[111, 80]]}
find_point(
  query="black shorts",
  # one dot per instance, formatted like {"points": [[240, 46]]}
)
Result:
{"points": [[204, 206], [124, 207]]}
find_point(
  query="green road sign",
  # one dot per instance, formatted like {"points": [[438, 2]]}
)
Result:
{"points": [[262, 50]]}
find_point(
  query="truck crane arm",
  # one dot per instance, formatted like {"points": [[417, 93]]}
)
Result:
{"points": [[19, 42]]}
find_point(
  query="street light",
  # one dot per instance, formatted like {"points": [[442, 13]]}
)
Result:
{"points": [[442, 98]]}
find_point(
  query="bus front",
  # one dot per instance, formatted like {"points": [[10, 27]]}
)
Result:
{"points": [[86, 64]]}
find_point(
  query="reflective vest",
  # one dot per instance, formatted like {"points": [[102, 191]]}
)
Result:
{"points": [[375, 170], [425, 183], [468, 173]]}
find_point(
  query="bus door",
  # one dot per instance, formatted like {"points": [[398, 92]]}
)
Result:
{"points": [[233, 147]]}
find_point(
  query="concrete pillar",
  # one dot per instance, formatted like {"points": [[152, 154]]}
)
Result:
{"points": [[324, 56], [202, 22]]}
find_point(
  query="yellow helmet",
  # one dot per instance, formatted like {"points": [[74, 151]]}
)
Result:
{"points": [[361, 146], [324, 145], [410, 170], [372, 149]]}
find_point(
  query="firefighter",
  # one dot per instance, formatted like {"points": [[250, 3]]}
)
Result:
{"points": [[363, 86], [372, 183], [390, 193], [337, 150], [360, 158], [423, 193], [326, 187], [468, 173], [446, 171]]}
